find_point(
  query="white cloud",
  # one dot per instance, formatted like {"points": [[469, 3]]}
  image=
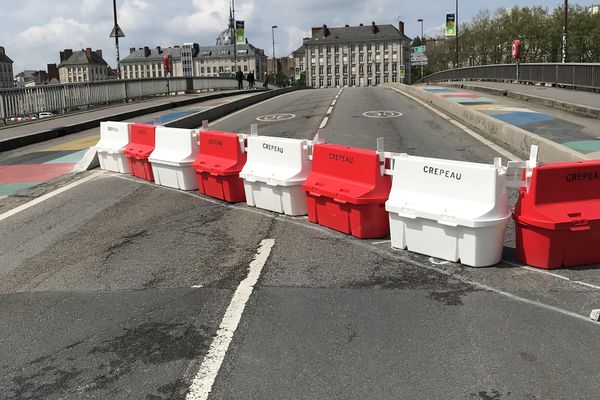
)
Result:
{"points": [[57, 32], [209, 16], [295, 36], [135, 15]]}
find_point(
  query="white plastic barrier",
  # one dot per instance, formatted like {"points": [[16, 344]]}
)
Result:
{"points": [[172, 158], [114, 137], [451, 210], [274, 173]]}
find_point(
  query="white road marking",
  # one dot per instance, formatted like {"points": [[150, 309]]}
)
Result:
{"points": [[324, 122], [250, 107], [47, 196], [196, 286], [436, 262], [204, 380], [553, 274], [370, 247], [470, 132], [329, 110], [381, 242], [335, 101]]}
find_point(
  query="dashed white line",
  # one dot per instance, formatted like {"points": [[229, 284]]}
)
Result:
{"points": [[381, 242], [333, 102], [324, 122], [204, 380], [47, 196], [329, 110], [395, 254]]}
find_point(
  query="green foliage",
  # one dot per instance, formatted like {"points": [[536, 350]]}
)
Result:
{"points": [[487, 38]]}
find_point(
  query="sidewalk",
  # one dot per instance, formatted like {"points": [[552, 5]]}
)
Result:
{"points": [[574, 131], [576, 101]]}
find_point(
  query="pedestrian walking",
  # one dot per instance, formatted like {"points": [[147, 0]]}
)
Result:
{"points": [[266, 81], [239, 76], [250, 79]]}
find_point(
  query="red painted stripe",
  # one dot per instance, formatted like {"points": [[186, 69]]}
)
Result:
{"points": [[460, 95], [32, 172]]}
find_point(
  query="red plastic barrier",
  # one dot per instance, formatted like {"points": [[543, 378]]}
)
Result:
{"points": [[141, 145], [218, 166], [346, 191], [557, 222]]}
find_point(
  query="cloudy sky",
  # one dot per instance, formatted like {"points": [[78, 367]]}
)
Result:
{"points": [[34, 31]]}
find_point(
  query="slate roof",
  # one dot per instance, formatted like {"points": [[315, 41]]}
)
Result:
{"points": [[225, 51], [299, 51], [5, 59], [357, 34], [80, 58]]}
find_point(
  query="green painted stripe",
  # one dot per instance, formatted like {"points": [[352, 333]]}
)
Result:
{"points": [[584, 146], [11, 188]]}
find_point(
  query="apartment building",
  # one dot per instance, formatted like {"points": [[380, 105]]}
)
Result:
{"points": [[82, 66], [356, 55], [6, 70], [191, 59]]}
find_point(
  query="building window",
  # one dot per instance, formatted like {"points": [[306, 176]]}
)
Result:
{"points": [[353, 70], [377, 80], [346, 70], [337, 59], [394, 78], [313, 61], [328, 82], [394, 67], [345, 81], [361, 58], [201, 70], [377, 58], [377, 67], [361, 70], [320, 70], [386, 67], [394, 57], [353, 59], [337, 69], [321, 60], [368, 46], [320, 82], [312, 70], [245, 68], [313, 82], [386, 79], [328, 70], [336, 48], [328, 49], [369, 57], [385, 46], [369, 69]]}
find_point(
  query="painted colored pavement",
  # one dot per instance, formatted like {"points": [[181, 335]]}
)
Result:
{"points": [[29, 170], [548, 126]]}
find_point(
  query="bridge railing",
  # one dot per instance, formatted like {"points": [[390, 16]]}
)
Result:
{"points": [[33, 100], [568, 74]]}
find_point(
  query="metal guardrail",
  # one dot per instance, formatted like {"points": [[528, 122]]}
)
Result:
{"points": [[33, 100], [574, 75]]}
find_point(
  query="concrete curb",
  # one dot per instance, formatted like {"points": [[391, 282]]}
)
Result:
{"points": [[90, 160], [512, 138], [579, 109], [41, 136]]}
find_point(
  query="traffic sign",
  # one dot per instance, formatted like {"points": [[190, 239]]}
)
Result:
{"points": [[419, 49], [418, 59]]}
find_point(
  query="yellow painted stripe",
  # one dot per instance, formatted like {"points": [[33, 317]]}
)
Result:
{"points": [[77, 144]]}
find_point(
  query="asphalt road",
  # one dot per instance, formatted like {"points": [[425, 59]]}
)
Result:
{"points": [[116, 288]]}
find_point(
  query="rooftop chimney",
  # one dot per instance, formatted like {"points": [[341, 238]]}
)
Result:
{"points": [[52, 71], [131, 50], [146, 51], [361, 24], [2, 52], [315, 31], [326, 31], [158, 50], [401, 27], [88, 53], [347, 26], [65, 54], [374, 28], [99, 53]]}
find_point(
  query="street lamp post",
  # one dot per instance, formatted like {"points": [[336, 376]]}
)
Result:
{"points": [[421, 21], [274, 60], [564, 34], [456, 31]]}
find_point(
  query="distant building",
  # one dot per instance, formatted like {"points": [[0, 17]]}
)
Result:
{"points": [[357, 55], [299, 59], [594, 9], [285, 65], [82, 66], [191, 59], [29, 78], [6, 70]]}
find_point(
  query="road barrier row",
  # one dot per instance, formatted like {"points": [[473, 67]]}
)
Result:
{"points": [[453, 210]]}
